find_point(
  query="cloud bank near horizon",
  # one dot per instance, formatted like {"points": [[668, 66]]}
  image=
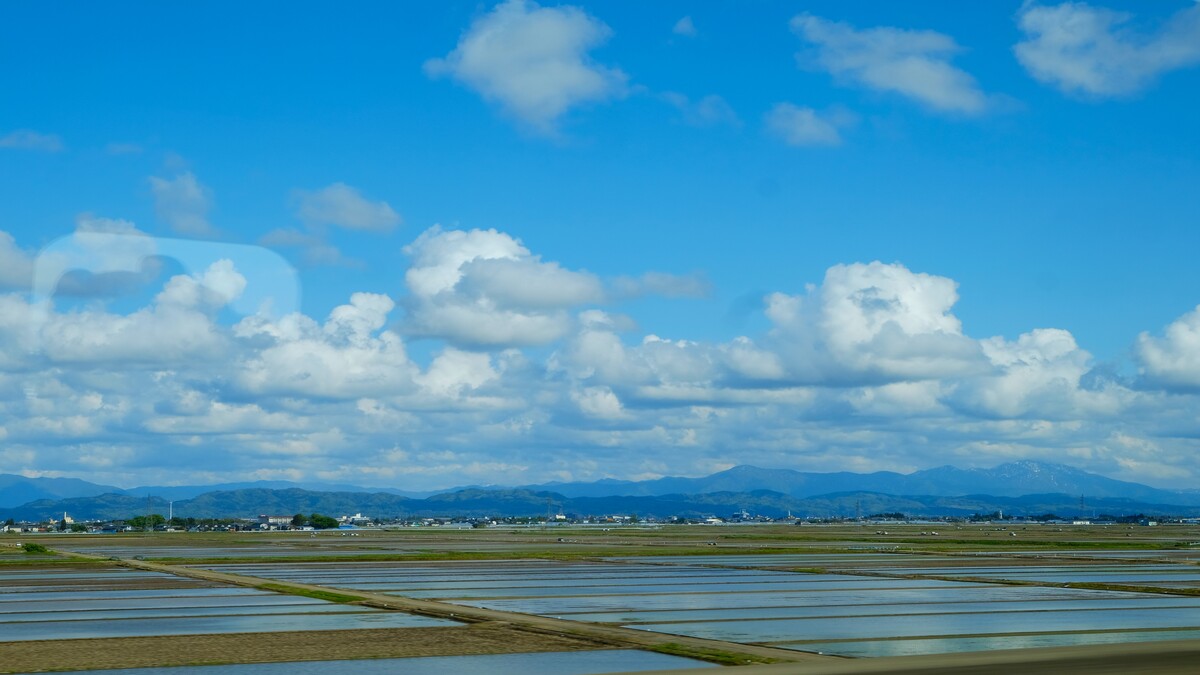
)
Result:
{"points": [[529, 372]]}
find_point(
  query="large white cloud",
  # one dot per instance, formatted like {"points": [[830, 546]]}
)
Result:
{"points": [[483, 288], [1088, 50], [1040, 375], [347, 357], [1173, 360], [872, 322], [533, 61]]}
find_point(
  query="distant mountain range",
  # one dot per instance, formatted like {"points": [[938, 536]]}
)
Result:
{"points": [[496, 503], [1007, 480], [1030, 488], [18, 490], [1017, 488]]}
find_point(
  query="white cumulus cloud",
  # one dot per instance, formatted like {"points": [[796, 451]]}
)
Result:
{"points": [[343, 206], [482, 287], [912, 63], [1039, 374], [1093, 51], [872, 322], [183, 203], [867, 369], [347, 357], [1173, 360], [599, 402], [533, 61]]}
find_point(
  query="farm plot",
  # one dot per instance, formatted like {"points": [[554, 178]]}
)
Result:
{"points": [[111, 602], [846, 614]]}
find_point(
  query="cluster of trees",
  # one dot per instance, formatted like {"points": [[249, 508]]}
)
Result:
{"points": [[188, 523], [148, 522], [156, 520], [316, 520], [1126, 520], [986, 517]]}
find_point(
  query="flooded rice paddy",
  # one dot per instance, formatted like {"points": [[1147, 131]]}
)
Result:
{"points": [[114, 604], [857, 604], [868, 599]]}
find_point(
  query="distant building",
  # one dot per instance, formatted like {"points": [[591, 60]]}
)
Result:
{"points": [[274, 521], [356, 519]]}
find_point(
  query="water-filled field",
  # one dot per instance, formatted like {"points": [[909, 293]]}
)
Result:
{"points": [[120, 607], [893, 607]]}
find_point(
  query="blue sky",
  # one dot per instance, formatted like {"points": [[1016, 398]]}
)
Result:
{"points": [[687, 200]]}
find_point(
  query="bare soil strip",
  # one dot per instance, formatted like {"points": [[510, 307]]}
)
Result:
{"points": [[141, 652]]}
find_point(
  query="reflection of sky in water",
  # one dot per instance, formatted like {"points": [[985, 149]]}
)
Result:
{"points": [[745, 605], [74, 614], [61, 630], [92, 575], [950, 645], [124, 593], [48, 611], [881, 610], [863, 599], [780, 587], [838, 628], [70, 603]]}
